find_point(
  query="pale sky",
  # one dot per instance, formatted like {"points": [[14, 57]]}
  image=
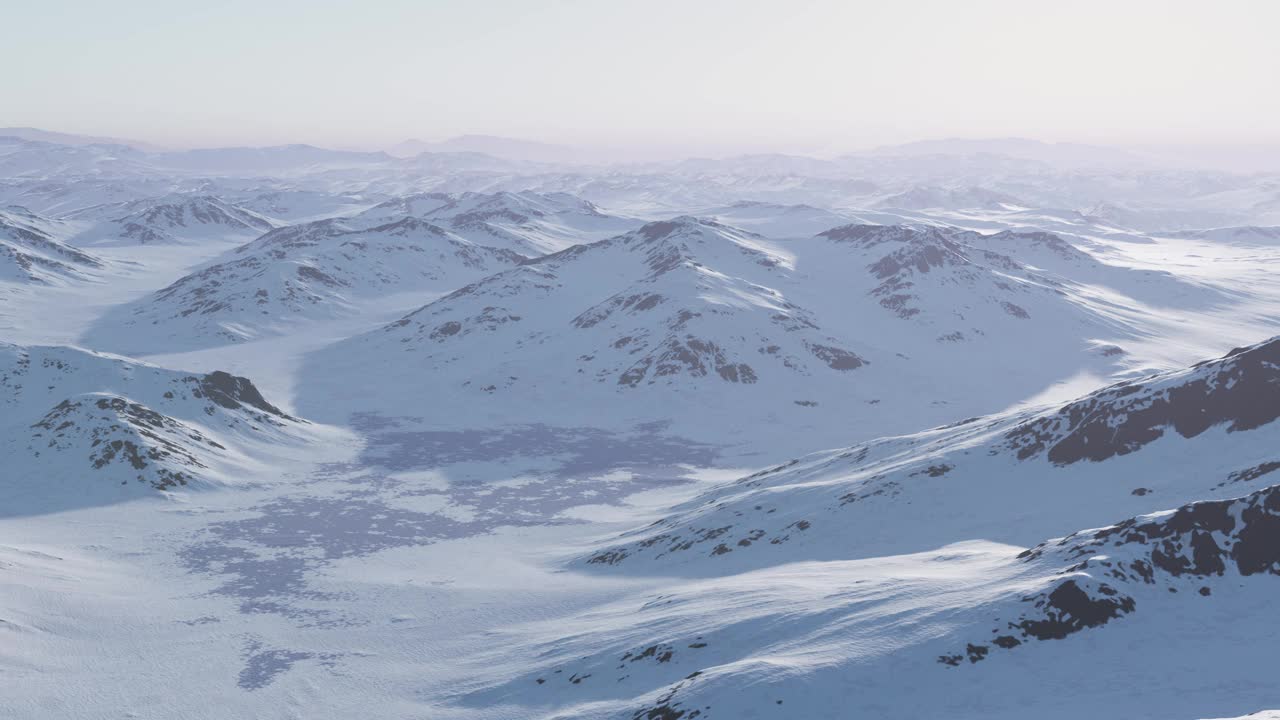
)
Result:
{"points": [[768, 74]]}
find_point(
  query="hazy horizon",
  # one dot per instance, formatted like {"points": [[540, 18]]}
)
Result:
{"points": [[810, 78], [1228, 157], [695, 360]]}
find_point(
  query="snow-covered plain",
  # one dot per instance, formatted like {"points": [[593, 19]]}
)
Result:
{"points": [[297, 433]]}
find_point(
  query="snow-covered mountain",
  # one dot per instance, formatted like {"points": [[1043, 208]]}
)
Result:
{"points": [[672, 304], [526, 222], [759, 165], [580, 419], [282, 160], [58, 138], [714, 328], [420, 205], [915, 568], [1162, 441], [46, 157], [30, 251], [511, 148], [36, 160], [778, 221], [62, 196], [1161, 218], [1068, 155], [929, 197], [932, 634], [1113, 571], [313, 271], [1245, 235], [289, 206], [167, 220], [82, 427]]}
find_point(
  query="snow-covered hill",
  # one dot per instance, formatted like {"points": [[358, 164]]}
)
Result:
{"points": [[673, 305], [1067, 155], [528, 223], [32, 253], [930, 197], [1161, 218], [168, 219], [1245, 235], [503, 147], [288, 206], [36, 160], [971, 629], [579, 410], [313, 271], [715, 329], [85, 428], [1162, 441], [778, 221], [419, 205], [60, 197], [277, 160], [875, 568]]}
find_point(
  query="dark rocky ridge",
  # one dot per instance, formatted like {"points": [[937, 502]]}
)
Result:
{"points": [[133, 423], [204, 209], [920, 251], [230, 391], [661, 337], [1240, 390], [42, 242], [158, 450], [1190, 548], [34, 253], [296, 273]]}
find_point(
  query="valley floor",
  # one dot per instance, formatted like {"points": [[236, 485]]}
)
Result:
{"points": [[413, 571]]}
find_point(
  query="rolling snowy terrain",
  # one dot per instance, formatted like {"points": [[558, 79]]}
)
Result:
{"points": [[720, 334], [33, 254], [85, 428], [314, 270], [167, 220], [477, 430]]}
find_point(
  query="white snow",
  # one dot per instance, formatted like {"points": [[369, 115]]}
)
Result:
{"points": [[757, 437]]}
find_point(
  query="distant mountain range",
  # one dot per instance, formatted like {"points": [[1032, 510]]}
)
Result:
{"points": [[479, 429], [502, 147], [59, 138]]}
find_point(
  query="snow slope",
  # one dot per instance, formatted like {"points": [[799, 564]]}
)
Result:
{"points": [[313, 271], [287, 206], [778, 221], [672, 303], [168, 219], [1170, 439], [526, 222], [972, 629], [1246, 235], [716, 331], [562, 487], [866, 581], [930, 197], [86, 428], [31, 253]]}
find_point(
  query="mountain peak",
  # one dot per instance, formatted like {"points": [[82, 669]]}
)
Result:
{"points": [[665, 228]]}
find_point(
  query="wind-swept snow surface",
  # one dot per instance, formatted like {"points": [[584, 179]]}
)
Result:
{"points": [[967, 429], [170, 219], [317, 270], [83, 428], [32, 253], [748, 337]]}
